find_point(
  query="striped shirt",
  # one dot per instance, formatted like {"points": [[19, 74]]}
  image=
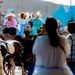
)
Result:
{"points": [[72, 44]]}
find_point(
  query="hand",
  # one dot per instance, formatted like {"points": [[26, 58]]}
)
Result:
{"points": [[7, 26]]}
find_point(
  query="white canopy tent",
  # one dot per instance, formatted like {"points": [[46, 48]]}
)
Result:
{"points": [[62, 2], [46, 8], [65, 3], [66, 12]]}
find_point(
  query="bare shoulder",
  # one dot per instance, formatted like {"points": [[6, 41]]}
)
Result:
{"points": [[63, 39]]}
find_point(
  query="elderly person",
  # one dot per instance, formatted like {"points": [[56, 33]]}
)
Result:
{"points": [[10, 25], [51, 51]]}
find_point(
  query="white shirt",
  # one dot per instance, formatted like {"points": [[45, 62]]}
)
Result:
{"points": [[49, 56], [22, 21]]}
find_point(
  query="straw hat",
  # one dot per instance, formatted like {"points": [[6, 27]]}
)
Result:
{"points": [[11, 14], [19, 15], [38, 14], [27, 14]]}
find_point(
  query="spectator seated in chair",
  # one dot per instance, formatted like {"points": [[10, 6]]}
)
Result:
{"points": [[10, 25]]}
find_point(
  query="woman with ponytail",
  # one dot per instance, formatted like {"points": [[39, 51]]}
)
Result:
{"points": [[51, 51]]}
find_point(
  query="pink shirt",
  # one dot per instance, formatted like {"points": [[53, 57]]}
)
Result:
{"points": [[12, 23]]}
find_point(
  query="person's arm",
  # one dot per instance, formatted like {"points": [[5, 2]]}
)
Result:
{"points": [[18, 20], [67, 46], [35, 46], [5, 23], [14, 23], [42, 22]]}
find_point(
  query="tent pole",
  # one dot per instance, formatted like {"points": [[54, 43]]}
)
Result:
{"points": [[70, 2]]}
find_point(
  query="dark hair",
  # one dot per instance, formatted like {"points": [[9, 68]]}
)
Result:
{"points": [[51, 26], [71, 27], [22, 15]]}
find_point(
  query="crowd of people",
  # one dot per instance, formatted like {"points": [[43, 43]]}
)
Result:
{"points": [[51, 49], [25, 21]]}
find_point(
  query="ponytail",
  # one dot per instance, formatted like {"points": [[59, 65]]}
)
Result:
{"points": [[51, 28], [53, 36]]}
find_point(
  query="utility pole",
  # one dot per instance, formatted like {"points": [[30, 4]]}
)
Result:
{"points": [[70, 2], [1, 1], [1, 17]]}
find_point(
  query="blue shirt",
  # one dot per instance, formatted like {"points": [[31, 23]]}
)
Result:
{"points": [[37, 23]]}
